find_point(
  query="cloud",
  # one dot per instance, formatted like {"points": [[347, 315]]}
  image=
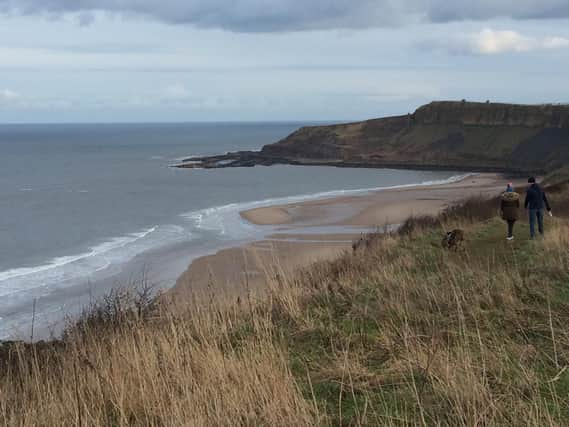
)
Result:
{"points": [[233, 15], [176, 91], [494, 42], [175, 94], [84, 19], [555, 43], [11, 100], [490, 42], [295, 15], [457, 10], [8, 96], [178, 94]]}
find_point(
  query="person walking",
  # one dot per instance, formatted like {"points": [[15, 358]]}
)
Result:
{"points": [[510, 208], [535, 201]]}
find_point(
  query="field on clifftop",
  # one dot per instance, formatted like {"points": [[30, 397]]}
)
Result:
{"points": [[399, 332]]}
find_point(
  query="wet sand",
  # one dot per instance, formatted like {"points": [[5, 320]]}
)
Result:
{"points": [[321, 229], [380, 207]]}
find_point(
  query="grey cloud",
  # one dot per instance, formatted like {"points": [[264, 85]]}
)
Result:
{"points": [[84, 19], [456, 10], [234, 15], [296, 15]]}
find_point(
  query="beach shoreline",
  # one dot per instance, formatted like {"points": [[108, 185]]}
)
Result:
{"points": [[283, 237], [312, 230], [205, 233]]}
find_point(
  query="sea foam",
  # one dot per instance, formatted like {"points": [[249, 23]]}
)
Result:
{"points": [[96, 259]]}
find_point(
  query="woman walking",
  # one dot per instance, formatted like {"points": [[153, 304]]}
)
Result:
{"points": [[510, 209]]}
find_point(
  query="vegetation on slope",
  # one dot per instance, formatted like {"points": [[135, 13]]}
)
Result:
{"points": [[396, 333], [470, 135], [451, 135]]}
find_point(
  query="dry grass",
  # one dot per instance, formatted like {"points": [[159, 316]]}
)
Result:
{"points": [[396, 333], [148, 367]]}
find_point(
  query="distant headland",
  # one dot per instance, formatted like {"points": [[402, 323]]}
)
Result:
{"points": [[457, 135]]}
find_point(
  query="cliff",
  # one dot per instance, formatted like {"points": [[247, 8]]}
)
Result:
{"points": [[448, 135]]}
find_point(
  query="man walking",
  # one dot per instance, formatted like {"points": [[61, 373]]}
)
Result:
{"points": [[536, 200]]}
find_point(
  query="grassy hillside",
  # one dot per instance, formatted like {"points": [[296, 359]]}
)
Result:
{"points": [[396, 333], [483, 136]]}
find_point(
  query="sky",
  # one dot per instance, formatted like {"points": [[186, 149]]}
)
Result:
{"points": [[67, 61]]}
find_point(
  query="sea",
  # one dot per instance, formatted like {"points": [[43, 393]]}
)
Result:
{"points": [[88, 207]]}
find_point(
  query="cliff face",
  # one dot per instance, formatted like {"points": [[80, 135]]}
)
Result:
{"points": [[489, 114], [477, 135], [450, 135]]}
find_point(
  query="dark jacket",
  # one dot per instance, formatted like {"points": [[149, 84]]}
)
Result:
{"points": [[510, 206], [535, 198]]}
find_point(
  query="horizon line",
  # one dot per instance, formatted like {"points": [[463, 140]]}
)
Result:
{"points": [[284, 121]]}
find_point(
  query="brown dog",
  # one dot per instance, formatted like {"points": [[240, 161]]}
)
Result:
{"points": [[453, 240], [361, 243]]}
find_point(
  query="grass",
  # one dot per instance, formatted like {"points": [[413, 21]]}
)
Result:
{"points": [[398, 332]]}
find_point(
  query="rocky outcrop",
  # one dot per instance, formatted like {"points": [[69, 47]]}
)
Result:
{"points": [[439, 135]]}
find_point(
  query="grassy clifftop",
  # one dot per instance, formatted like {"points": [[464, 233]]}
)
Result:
{"points": [[396, 333], [441, 134]]}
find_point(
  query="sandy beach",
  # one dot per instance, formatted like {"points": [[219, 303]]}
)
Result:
{"points": [[309, 231]]}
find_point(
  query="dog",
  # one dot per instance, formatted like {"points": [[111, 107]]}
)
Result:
{"points": [[361, 243], [453, 240]]}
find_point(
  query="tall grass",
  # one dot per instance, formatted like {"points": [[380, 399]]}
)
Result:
{"points": [[117, 367], [397, 332]]}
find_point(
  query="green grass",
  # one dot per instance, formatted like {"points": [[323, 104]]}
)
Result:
{"points": [[350, 328]]}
